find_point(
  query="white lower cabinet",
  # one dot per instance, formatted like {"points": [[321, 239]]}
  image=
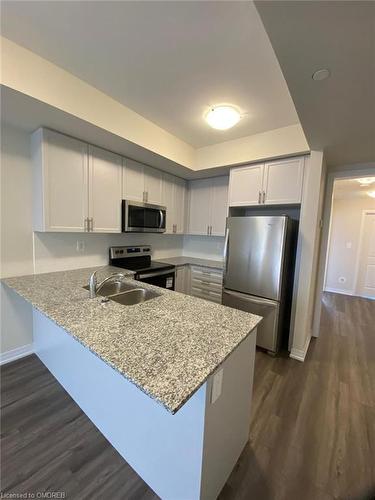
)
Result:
{"points": [[182, 279], [206, 283]]}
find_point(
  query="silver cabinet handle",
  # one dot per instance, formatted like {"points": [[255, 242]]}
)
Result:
{"points": [[86, 224], [91, 224], [210, 230], [260, 197], [264, 197]]}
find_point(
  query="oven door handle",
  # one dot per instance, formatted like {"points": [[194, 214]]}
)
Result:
{"points": [[161, 219], [156, 273]]}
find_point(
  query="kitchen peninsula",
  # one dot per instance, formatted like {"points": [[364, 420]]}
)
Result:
{"points": [[168, 381]]}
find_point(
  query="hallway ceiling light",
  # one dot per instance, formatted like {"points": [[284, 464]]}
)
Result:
{"points": [[366, 181], [223, 117], [371, 193], [321, 74]]}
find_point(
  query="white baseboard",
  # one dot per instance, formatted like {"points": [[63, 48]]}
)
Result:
{"points": [[17, 353], [339, 290], [300, 354]]}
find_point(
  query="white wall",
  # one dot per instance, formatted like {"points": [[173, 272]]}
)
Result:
{"points": [[344, 242]]}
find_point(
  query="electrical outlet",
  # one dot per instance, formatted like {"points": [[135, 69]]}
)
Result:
{"points": [[80, 247], [348, 244]]}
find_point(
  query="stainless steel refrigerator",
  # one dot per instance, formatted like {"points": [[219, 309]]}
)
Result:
{"points": [[259, 272]]}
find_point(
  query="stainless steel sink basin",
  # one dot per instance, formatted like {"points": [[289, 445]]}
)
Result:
{"points": [[135, 296], [114, 287]]}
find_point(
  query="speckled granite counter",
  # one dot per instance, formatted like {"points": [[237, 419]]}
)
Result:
{"points": [[167, 346], [194, 261]]}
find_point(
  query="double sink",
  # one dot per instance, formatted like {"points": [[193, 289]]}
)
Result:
{"points": [[125, 293]]}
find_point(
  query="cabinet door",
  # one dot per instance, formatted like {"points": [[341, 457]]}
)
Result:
{"points": [[283, 181], [133, 184], [153, 185], [180, 193], [168, 193], [63, 167], [105, 190], [180, 285], [199, 206], [219, 205], [245, 185]]}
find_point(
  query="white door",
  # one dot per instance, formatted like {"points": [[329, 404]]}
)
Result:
{"points": [[153, 185], [245, 185], [219, 205], [105, 191], [366, 266], [65, 182], [180, 204], [199, 206], [283, 181], [133, 184], [168, 201]]}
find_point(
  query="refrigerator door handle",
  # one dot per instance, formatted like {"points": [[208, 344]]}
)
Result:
{"points": [[226, 242]]}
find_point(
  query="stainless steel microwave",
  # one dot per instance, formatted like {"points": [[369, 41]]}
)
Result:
{"points": [[140, 217]]}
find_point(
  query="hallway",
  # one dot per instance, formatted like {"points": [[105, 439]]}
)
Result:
{"points": [[312, 434]]}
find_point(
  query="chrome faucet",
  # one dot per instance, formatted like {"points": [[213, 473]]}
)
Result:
{"points": [[94, 287]]}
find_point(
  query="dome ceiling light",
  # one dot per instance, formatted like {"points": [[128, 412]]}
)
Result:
{"points": [[222, 117]]}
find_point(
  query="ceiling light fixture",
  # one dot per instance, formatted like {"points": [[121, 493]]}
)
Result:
{"points": [[371, 193], [366, 181], [222, 117], [321, 74]]}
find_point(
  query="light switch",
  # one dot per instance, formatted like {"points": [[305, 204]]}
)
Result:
{"points": [[217, 384]]}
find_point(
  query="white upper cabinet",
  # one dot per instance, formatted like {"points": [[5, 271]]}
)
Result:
{"points": [[142, 183], [105, 191], [76, 187], [283, 181], [272, 183], [60, 188], [153, 185], [174, 198], [245, 185], [219, 205], [133, 187], [208, 206], [199, 206]]}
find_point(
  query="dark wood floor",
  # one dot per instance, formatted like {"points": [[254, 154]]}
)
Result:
{"points": [[312, 434]]}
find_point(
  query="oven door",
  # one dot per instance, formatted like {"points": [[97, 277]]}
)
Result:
{"points": [[164, 279], [142, 217]]}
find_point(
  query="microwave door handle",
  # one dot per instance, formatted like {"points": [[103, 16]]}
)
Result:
{"points": [[161, 219]]}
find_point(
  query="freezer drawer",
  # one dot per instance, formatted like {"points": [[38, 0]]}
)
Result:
{"points": [[267, 330]]}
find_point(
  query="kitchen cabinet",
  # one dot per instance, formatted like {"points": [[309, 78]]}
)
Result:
{"points": [[206, 283], [271, 183], [105, 175], [208, 206], [283, 181], [182, 279], [76, 187], [141, 183], [60, 182], [174, 198]]}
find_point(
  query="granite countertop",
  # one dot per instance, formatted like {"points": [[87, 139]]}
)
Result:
{"points": [[167, 346], [185, 260]]}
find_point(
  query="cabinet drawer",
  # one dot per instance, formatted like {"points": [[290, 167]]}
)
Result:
{"points": [[206, 285], [207, 274], [206, 294]]}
